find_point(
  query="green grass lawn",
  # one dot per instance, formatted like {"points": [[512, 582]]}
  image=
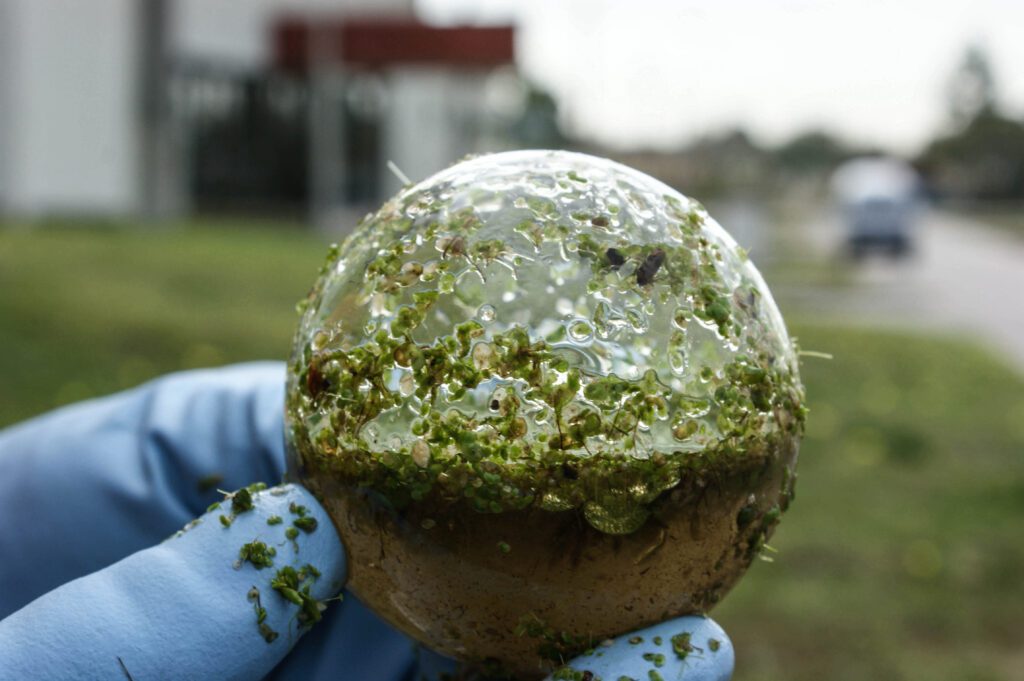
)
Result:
{"points": [[86, 311], [902, 558], [903, 555]]}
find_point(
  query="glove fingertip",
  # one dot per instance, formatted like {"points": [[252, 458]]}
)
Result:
{"points": [[691, 647]]}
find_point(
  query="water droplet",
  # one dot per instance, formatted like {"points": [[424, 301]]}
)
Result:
{"points": [[429, 271], [695, 407], [486, 313], [410, 273], [684, 430], [680, 317], [508, 296], [637, 320], [677, 362], [469, 287], [600, 318], [379, 305], [371, 433], [446, 284], [580, 331], [320, 340], [406, 384], [482, 355]]}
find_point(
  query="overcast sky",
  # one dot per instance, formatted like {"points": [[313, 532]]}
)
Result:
{"points": [[659, 72]]}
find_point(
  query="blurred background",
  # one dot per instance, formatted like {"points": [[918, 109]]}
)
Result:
{"points": [[172, 170]]}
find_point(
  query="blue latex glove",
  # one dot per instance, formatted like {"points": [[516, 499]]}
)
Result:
{"points": [[91, 488]]}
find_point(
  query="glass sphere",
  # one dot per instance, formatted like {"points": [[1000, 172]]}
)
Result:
{"points": [[545, 398]]}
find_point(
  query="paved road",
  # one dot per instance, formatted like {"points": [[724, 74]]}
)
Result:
{"points": [[963, 277]]}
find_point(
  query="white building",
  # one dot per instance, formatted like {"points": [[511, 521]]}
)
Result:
{"points": [[102, 102], [68, 93]]}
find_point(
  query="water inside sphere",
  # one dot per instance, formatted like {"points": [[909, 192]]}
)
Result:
{"points": [[544, 333]]}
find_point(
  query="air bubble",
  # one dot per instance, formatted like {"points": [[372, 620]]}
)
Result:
{"points": [[486, 313]]}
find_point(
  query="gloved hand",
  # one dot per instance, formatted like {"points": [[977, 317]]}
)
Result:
{"points": [[85, 486]]}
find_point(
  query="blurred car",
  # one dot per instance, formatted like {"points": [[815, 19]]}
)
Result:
{"points": [[878, 198]]}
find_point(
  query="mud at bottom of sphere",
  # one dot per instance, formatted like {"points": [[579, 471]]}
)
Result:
{"points": [[525, 591]]}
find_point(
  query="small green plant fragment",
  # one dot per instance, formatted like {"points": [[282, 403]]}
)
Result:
{"points": [[294, 586], [213, 507], [556, 646], [298, 509], [504, 547], [292, 534], [682, 646], [570, 674], [654, 676], [258, 553], [636, 640], [714, 644], [306, 523], [657, 640], [241, 501], [275, 520], [656, 658], [268, 634]]}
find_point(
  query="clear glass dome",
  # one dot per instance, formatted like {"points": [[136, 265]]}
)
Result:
{"points": [[575, 306]]}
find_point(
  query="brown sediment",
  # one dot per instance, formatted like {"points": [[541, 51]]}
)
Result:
{"points": [[531, 588]]}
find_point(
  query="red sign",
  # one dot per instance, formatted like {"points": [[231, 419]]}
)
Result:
{"points": [[382, 43]]}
